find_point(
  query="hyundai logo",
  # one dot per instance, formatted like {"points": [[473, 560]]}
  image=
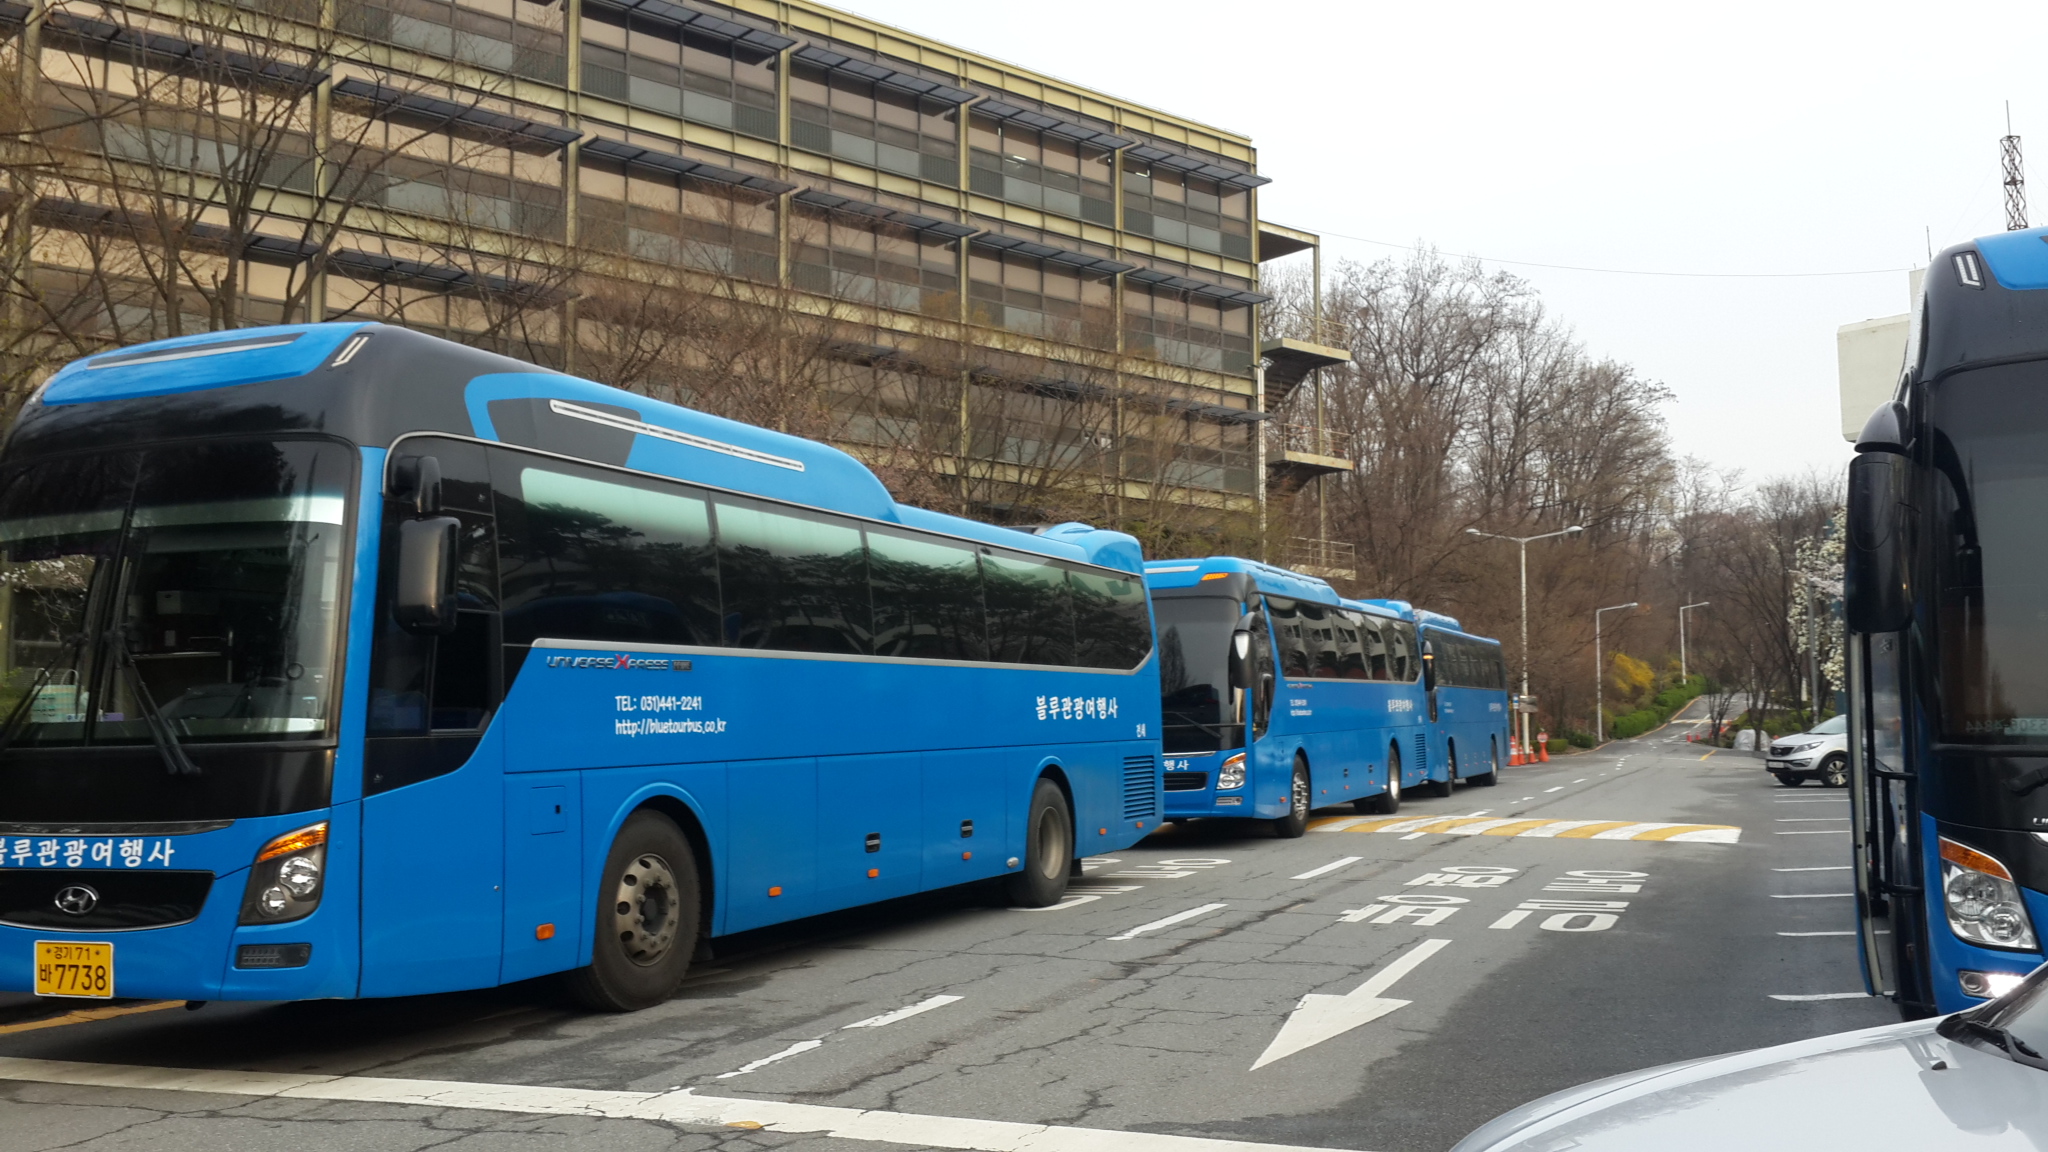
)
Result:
{"points": [[76, 899]]}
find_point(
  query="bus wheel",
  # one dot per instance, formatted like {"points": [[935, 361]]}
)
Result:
{"points": [[1048, 851], [647, 918], [1442, 788], [1492, 775], [1834, 771], [1389, 802], [1299, 801]]}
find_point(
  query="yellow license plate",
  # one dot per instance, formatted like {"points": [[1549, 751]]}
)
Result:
{"points": [[64, 968]]}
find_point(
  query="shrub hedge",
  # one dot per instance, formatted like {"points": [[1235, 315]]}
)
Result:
{"points": [[1658, 710]]}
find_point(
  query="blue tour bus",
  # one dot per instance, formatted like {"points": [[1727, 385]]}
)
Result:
{"points": [[1468, 699], [1279, 696], [345, 661]]}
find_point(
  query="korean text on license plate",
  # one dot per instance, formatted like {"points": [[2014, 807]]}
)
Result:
{"points": [[75, 968]]}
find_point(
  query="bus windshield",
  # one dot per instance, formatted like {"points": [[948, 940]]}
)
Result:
{"points": [[1990, 555], [199, 583], [1201, 712]]}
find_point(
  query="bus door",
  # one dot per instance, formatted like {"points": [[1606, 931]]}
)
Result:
{"points": [[1884, 804]]}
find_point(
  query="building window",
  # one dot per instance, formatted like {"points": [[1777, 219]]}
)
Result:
{"points": [[515, 37], [844, 116], [1192, 331], [683, 73], [1025, 166], [1188, 210], [477, 184], [672, 220], [1039, 298], [848, 258]]}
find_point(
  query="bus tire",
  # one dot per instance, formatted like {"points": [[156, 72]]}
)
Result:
{"points": [[1048, 850], [1443, 788], [1492, 775], [1834, 772], [1299, 801], [648, 915], [1389, 802]]}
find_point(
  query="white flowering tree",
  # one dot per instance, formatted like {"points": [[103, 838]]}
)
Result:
{"points": [[1817, 586]]}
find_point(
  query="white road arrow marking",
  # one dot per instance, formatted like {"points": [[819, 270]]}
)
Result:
{"points": [[1318, 1017]]}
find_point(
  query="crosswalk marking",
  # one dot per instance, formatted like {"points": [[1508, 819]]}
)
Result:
{"points": [[1537, 829]]}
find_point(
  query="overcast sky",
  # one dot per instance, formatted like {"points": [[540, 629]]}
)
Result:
{"points": [[1783, 137]]}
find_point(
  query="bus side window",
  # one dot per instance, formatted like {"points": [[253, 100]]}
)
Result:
{"points": [[587, 556], [1402, 656], [1112, 628], [1030, 615], [1287, 632], [927, 598], [1373, 646], [793, 581]]}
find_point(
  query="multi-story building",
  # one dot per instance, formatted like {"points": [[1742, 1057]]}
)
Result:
{"points": [[1029, 297]]}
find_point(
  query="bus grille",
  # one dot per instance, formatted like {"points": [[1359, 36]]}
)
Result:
{"points": [[1186, 781], [153, 899], [1422, 752], [1141, 787]]}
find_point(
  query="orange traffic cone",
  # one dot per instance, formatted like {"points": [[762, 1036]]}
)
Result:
{"points": [[1543, 747], [1514, 752]]}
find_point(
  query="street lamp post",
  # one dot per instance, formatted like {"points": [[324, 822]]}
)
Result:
{"points": [[1599, 675], [1682, 674], [1523, 543]]}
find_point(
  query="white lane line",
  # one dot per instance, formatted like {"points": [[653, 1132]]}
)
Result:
{"points": [[1815, 832], [1169, 921], [1816, 896], [681, 1106], [1842, 932], [888, 1018], [1548, 791], [1824, 996], [1580, 780], [1415, 836], [1816, 800], [1326, 869], [795, 1049], [1808, 819], [1525, 798], [1818, 868]]}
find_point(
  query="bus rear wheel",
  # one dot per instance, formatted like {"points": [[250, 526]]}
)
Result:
{"points": [[1048, 851], [1299, 801], [1492, 775], [647, 918], [1442, 788], [1389, 802]]}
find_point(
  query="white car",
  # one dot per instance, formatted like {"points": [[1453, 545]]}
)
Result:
{"points": [[1977, 1079], [1821, 754]]}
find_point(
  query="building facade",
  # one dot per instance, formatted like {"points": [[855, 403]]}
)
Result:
{"points": [[1008, 293]]}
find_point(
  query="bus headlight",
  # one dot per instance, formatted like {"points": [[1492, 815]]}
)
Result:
{"points": [[1983, 903], [286, 880], [1231, 775]]}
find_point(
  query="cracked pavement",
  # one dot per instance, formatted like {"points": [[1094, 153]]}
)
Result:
{"points": [[1058, 1024]]}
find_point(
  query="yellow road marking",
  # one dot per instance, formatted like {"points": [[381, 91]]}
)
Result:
{"points": [[1517, 828], [87, 1015], [1710, 753], [1588, 831]]}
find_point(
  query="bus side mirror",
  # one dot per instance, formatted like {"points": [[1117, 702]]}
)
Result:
{"points": [[1877, 583], [424, 598], [416, 480], [1241, 658]]}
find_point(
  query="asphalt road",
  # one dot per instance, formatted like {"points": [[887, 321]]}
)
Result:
{"points": [[1363, 987]]}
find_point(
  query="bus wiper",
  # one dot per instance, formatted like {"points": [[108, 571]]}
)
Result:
{"points": [[18, 717], [160, 732]]}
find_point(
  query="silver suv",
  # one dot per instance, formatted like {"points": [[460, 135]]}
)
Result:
{"points": [[1821, 754]]}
